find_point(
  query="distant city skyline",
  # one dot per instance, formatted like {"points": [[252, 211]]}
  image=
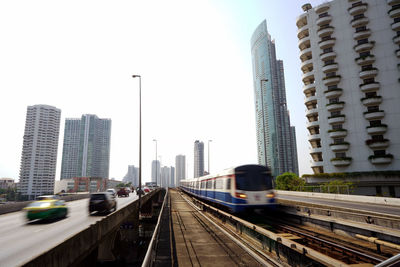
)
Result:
{"points": [[64, 69]]}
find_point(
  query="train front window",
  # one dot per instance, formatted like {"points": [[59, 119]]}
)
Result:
{"points": [[253, 180]]}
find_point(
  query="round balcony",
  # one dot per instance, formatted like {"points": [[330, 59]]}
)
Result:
{"points": [[377, 144], [394, 12], [382, 159], [335, 106], [359, 22], [393, 2], [374, 115], [310, 100], [324, 20], [398, 53], [323, 44], [375, 130], [314, 137], [301, 20], [396, 26], [305, 65], [325, 31], [330, 67], [366, 60], [336, 119], [332, 93], [305, 54], [309, 88], [364, 47], [302, 32], [316, 150], [371, 101], [308, 77], [371, 73], [304, 43], [331, 80], [370, 87], [396, 40], [337, 133], [317, 164], [340, 147], [362, 34], [311, 124], [359, 9], [327, 56], [341, 162], [322, 8], [311, 112]]}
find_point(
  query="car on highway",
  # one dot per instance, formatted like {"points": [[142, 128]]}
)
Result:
{"points": [[146, 189], [102, 202], [48, 197], [112, 192], [46, 209], [122, 192]]}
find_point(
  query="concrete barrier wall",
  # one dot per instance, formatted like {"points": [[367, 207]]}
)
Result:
{"points": [[17, 206], [353, 198], [74, 249]]}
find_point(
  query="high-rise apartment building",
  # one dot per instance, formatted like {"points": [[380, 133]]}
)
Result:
{"points": [[350, 55], [165, 176], [86, 149], [39, 151], [132, 176], [198, 158], [276, 146], [156, 172], [180, 168], [172, 181]]}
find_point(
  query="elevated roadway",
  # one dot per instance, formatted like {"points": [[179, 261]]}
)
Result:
{"points": [[21, 241]]}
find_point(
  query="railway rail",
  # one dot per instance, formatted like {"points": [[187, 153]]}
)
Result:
{"points": [[322, 250]]}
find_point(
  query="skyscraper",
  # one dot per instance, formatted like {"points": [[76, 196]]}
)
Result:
{"points": [[132, 176], [172, 182], [180, 168], [155, 172], [198, 158], [39, 151], [349, 52], [165, 176], [274, 136], [86, 149]]}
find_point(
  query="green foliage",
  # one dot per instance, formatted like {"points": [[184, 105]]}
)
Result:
{"points": [[10, 194], [289, 181], [353, 174]]}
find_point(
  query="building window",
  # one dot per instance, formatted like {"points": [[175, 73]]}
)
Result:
{"points": [[337, 126], [340, 155]]}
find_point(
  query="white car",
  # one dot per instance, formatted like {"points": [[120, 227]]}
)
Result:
{"points": [[112, 192]]}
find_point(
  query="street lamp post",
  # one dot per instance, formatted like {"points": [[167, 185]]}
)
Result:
{"points": [[263, 117], [140, 138], [209, 156], [155, 140]]}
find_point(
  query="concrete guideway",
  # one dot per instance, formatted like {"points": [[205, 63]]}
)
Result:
{"points": [[198, 242]]}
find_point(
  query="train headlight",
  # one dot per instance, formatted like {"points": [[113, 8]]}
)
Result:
{"points": [[241, 195], [270, 195]]}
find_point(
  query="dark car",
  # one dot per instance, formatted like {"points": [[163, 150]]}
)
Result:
{"points": [[122, 192], [102, 202]]}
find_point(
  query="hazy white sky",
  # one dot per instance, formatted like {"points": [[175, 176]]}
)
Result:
{"points": [[194, 58]]}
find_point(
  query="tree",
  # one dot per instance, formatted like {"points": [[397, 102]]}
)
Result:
{"points": [[338, 187], [289, 181]]}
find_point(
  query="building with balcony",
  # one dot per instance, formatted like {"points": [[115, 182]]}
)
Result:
{"points": [[180, 168], [198, 159], [276, 140], [39, 151], [132, 176], [351, 58]]}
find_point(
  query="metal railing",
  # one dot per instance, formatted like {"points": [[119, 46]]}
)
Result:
{"points": [[150, 254]]}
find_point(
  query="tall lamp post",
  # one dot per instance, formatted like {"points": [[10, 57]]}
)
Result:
{"points": [[209, 155], [140, 138], [263, 117], [155, 140]]}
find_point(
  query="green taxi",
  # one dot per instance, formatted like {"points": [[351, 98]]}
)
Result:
{"points": [[46, 209]]}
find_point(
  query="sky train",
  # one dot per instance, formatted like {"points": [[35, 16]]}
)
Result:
{"points": [[236, 189]]}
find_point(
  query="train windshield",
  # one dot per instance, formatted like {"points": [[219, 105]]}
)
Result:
{"points": [[256, 179]]}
